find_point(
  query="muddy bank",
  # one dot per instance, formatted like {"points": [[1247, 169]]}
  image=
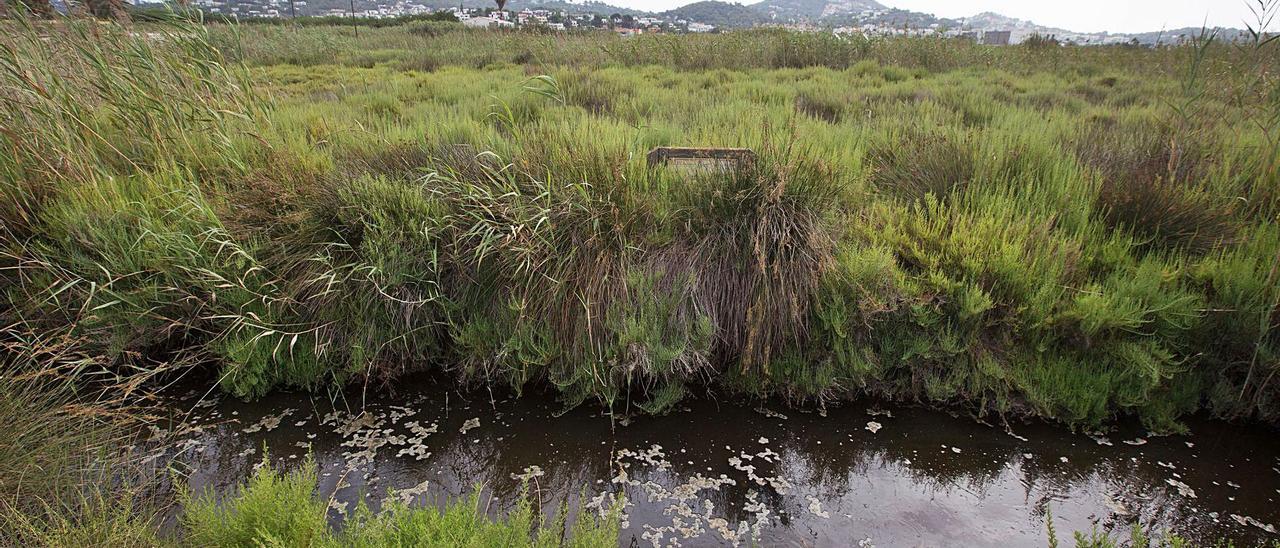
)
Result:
{"points": [[736, 472]]}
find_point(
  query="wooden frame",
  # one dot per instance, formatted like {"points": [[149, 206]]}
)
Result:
{"points": [[702, 158]]}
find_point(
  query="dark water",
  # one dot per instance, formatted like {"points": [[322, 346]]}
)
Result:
{"points": [[729, 473]]}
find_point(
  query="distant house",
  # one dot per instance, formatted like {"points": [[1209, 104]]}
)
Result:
{"points": [[487, 22], [996, 37]]}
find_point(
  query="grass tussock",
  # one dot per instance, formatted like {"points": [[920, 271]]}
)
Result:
{"points": [[64, 479], [51, 461]]}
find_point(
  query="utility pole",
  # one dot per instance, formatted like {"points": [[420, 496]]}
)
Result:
{"points": [[293, 12], [354, 24]]}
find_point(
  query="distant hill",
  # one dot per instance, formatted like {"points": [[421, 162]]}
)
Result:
{"points": [[1173, 36], [813, 10], [870, 14], [1020, 29], [826, 13], [715, 12], [988, 20], [574, 7], [315, 7], [891, 18]]}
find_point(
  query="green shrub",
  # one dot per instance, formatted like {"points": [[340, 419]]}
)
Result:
{"points": [[281, 509]]}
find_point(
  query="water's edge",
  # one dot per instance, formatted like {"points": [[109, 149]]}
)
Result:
{"points": [[716, 472]]}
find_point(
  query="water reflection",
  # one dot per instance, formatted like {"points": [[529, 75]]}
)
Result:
{"points": [[723, 473]]}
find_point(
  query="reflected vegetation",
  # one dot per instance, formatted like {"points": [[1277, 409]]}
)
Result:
{"points": [[736, 473]]}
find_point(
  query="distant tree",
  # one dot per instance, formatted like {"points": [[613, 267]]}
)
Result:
{"points": [[445, 16], [1037, 40], [502, 4]]}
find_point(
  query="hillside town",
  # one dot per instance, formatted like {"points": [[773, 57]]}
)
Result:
{"points": [[858, 20], [624, 24], [561, 20]]}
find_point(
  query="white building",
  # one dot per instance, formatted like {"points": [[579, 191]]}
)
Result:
{"points": [[486, 22]]}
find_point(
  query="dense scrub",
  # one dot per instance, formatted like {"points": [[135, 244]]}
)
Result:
{"points": [[1067, 232]]}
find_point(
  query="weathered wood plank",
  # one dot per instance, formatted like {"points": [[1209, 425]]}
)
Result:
{"points": [[702, 158]]}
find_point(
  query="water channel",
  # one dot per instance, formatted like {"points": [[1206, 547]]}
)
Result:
{"points": [[728, 472]]}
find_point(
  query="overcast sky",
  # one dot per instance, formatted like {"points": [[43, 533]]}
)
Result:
{"points": [[1077, 15]]}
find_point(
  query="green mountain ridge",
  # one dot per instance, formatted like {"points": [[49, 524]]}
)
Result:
{"points": [[720, 14]]}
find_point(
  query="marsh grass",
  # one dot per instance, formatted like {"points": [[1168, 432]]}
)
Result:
{"points": [[1069, 232], [103, 517], [64, 478]]}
